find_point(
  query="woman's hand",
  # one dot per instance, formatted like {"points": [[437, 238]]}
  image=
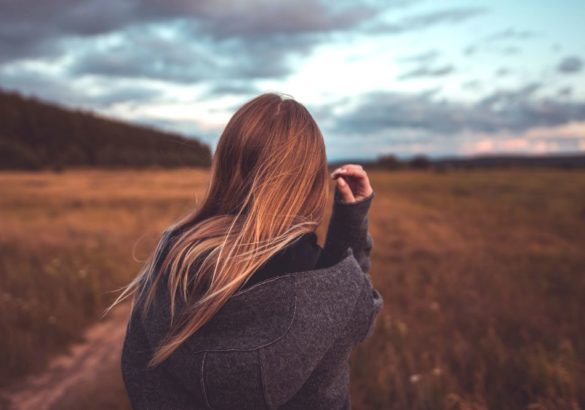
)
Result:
{"points": [[353, 182]]}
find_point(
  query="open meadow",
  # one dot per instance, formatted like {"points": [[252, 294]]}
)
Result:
{"points": [[482, 273]]}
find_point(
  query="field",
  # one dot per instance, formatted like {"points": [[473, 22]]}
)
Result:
{"points": [[482, 273]]}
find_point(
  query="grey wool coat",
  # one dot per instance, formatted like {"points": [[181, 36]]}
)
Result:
{"points": [[283, 343]]}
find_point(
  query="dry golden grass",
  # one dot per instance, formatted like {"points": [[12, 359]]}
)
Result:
{"points": [[66, 240], [483, 276]]}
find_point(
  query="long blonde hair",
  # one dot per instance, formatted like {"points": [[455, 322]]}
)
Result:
{"points": [[269, 184]]}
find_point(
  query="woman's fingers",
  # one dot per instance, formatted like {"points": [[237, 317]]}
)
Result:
{"points": [[350, 170], [356, 181], [345, 190], [353, 171]]}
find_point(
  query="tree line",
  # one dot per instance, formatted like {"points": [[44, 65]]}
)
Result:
{"points": [[392, 162], [35, 134]]}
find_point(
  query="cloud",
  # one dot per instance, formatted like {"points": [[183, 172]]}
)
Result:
{"points": [[565, 91], [506, 50], [500, 42], [429, 19], [425, 57], [176, 41], [26, 29], [233, 88], [511, 50], [88, 94], [551, 143], [30, 30], [428, 72], [472, 85], [570, 64], [507, 110], [41, 84], [511, 33], [146, 52], [125, 94], [273, 18], [469, 50]]}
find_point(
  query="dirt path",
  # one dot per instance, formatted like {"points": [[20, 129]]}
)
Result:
{"points": [[85, 364]]}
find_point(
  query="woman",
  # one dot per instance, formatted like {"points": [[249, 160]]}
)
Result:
{"points": [[239, 307]]}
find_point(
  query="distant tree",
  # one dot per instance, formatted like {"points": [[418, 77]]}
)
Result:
{"points": [[442, 167], [389, 161], [419, 162]]}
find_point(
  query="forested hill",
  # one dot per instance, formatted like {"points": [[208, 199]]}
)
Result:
{"points": [[35, 134]]}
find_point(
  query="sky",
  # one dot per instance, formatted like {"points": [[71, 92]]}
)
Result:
{"points": [[401, 77]]}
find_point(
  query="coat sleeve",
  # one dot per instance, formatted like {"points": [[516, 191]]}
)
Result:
{"points": [[348, 227]]}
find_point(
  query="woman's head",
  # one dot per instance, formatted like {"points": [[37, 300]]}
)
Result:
{"points": [[269, 184], [271, 156]]}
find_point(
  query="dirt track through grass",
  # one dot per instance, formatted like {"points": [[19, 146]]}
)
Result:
{"points": [[86, 363]]}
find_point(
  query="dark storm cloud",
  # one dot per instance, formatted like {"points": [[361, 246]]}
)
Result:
{"points": [[146, 53], [428, 72], [36, 29], [19, 43], [433, 18], [570, 64], [220, 18], [27, 28], [264, 58], [278, 18], [511, 110]]}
